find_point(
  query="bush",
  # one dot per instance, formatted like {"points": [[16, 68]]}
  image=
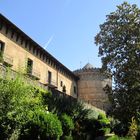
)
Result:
{"points": [[104, 124], [44, 126], [67, 125], [133, 128], [67, 122], [22, 112], [120, 129], [53, 127]]}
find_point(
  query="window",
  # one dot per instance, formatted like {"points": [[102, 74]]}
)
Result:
{"points": [[29, 66], [1, 25], [1, 51], [49, 77], [61, 83], [74, 89], [1, 46], [64, 89]]}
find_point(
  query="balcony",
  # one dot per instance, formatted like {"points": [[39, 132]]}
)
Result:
{"points": [[34, 74], [51, 84]]}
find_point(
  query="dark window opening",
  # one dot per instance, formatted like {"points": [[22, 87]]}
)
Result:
{"points": [[49, 77], [1, 51], [7, 30], [61, 83], [75, 90], [1, 46], [1, 25], [29, 66], [64, 89]]}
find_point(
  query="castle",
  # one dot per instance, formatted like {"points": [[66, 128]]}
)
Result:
{"points": [[19, 51]]}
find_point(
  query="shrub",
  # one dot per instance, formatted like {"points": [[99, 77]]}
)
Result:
{"points": [[104, 124], [22, 110], [120, 128], [53, 127], [133, 129], [67, 125], [67, 122], [45, 126]]}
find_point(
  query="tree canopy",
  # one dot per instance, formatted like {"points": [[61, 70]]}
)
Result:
{"points": [[119, 49]]}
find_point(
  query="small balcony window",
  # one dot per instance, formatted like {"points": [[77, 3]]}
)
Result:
{"points": [[29, 66], [61, 83], [1, 51]]}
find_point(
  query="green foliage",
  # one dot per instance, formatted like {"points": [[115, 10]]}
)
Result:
{"points": [[133, 128], [104, 123], [67, 123], [53, 126], [23, 114], [115, 137], [119, 47], [103, 119], [45, 125], [62, 104]]}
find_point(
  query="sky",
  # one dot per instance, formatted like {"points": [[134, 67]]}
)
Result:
{"points": [[65, 28]]}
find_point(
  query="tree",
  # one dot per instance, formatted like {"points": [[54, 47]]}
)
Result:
{"points": [[119, 49]]}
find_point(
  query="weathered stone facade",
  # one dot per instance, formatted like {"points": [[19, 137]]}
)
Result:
{"points": [[90, 86]]}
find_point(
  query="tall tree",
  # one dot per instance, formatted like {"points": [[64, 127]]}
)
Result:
{"points": [[119, 48]]}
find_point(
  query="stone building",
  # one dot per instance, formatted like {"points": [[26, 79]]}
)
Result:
{"points": [[21, 53], [91, 84]]}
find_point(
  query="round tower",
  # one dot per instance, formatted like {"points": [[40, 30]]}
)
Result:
{"points": [[91, 84]]}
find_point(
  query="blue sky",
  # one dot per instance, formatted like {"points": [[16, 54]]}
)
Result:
{"points": [[65, 27]]}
